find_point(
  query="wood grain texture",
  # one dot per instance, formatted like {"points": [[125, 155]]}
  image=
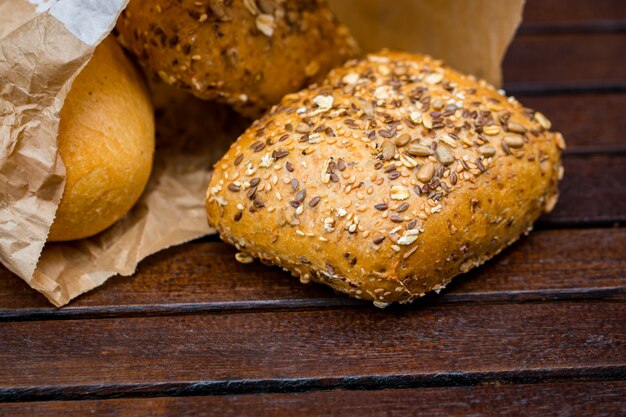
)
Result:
{"points": [[572, 12], [203, 276], [589, 122], [593, 191], [565, 60], [221, 353], [598, 399], [537, 331]]}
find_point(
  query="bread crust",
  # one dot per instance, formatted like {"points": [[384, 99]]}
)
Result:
{"points": [[106, 142], [397, 216], [246, 53]]}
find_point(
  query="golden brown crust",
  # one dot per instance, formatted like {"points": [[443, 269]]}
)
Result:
{"points": [[106, 142], [246, 53], [389, 179]]}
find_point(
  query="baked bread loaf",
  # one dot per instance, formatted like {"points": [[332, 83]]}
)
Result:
{"points": [[106, 142], [247, 53], [387, 180]]}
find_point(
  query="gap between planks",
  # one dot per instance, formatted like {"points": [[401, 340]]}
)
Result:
{"points": [[296, 385], [560, 398], [576, 295], [571, 28]]}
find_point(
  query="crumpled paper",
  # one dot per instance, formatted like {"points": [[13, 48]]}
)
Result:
{"points": [[44, 44], [469, 35]]}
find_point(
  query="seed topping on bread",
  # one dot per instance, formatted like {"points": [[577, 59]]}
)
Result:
{"points": [[375, 151], [423, 134]]}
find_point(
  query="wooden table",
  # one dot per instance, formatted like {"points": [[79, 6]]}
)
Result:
{"points": [[540, 330]]}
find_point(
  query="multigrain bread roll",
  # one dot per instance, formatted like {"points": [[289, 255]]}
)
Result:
{"points": [[247, 53], [390, 178], [106, 142]]}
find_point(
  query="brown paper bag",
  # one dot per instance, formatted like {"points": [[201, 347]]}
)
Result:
{"points": [[44, 44], [469, 35]]}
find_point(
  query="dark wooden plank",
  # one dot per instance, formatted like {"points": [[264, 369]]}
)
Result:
{"points": [[592, 191], [547, 264], [203, 276], [221, 353], [577, 11], [589, 122], [598, 399], [565, 60]]}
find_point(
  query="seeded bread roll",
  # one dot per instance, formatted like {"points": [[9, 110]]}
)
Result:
{"points": [[246, 53], [386, 181]]}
